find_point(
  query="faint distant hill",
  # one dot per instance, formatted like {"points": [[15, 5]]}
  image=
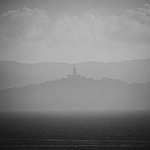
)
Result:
{"points": [[14, 74], [78, 93]]}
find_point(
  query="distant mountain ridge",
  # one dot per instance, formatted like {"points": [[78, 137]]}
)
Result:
{"points": [[78, 93], [14, 74]]}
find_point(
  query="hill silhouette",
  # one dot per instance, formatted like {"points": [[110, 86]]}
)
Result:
{"points": [[77, 92], [14, 74]]}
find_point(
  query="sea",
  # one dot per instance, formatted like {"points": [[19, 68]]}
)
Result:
{"points": [[75, 130]]}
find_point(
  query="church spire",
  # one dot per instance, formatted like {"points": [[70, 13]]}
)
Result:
{"points": [[74, 71]]}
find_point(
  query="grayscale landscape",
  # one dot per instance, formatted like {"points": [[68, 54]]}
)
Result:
{"points": [[14, 74], [75, 74], [77, 92]]}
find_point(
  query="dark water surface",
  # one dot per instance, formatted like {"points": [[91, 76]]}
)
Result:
{"points": [[75, 130]]}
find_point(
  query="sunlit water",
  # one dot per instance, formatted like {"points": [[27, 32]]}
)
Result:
{"points": [[75, 130]]}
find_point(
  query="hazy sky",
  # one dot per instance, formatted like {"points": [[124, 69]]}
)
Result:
{"points": [[74, 30]]}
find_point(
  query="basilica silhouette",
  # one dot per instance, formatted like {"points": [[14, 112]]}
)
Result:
{"points": [[74, 74]]}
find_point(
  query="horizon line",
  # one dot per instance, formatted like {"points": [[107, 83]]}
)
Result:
{"points": [[142, 59]]}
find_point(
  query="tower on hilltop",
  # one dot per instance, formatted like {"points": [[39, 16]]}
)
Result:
{"points": [[74, 74], [74, 71]]}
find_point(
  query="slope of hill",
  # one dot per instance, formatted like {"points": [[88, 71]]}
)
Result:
{"points": [[78, 94], [13, 74]]}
